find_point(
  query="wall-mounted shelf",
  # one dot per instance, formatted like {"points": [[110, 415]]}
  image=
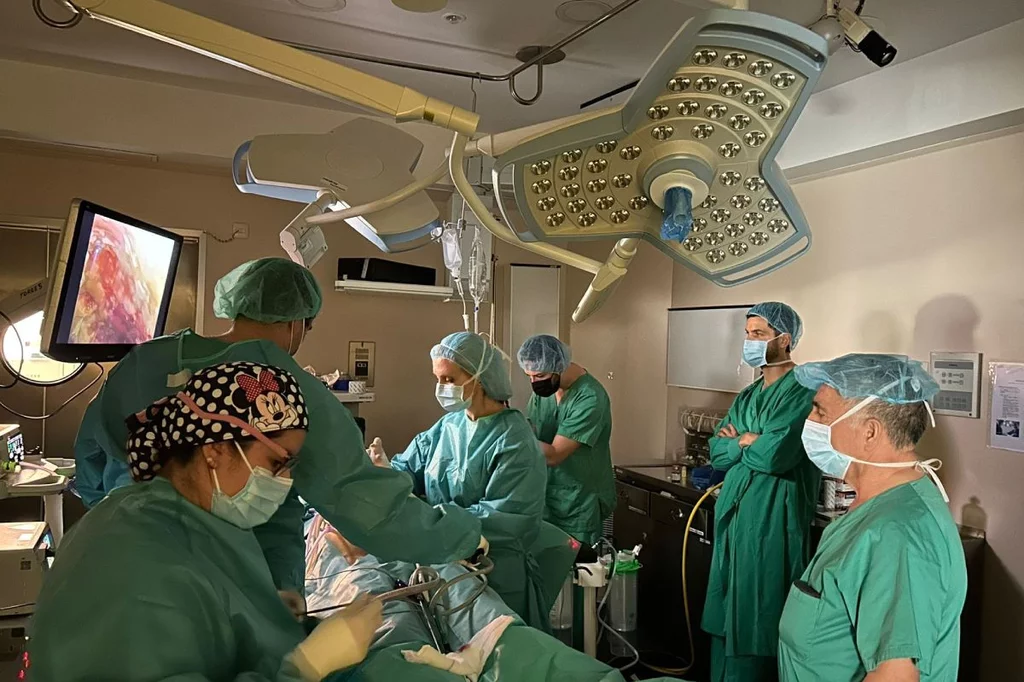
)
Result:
{"points": [[358, 286]]}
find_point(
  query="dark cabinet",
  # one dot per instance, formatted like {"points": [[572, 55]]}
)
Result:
{"points": [[655, 513]]}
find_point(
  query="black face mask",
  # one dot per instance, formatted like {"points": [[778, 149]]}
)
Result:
{"points": [[546, 388]]}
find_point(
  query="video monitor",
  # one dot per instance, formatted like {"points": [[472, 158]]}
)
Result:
{"points": [[110, 286]]}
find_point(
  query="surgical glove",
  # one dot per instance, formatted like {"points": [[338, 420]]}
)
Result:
{"points": [[483, 548], [341, 641], [295, 602], [377, 454]]}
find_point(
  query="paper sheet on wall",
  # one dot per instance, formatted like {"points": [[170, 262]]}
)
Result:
{"points": [[1007, 413]]}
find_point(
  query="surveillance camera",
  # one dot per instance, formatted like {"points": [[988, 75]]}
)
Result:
{"points": [[866, 39]]}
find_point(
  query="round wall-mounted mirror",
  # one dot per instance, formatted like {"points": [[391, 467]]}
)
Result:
{"points": [[23, 359]]}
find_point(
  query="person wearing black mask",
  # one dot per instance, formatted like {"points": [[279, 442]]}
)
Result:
{"points": [[571, 414]]}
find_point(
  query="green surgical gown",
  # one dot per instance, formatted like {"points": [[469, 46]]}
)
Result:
{"points": [[371, 506], [494, 468], [580, 490], [762, 521], [889, 581], [148, 586]]}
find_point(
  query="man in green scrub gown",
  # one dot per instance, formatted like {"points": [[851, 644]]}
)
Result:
{"points": [[572, 417], [881, 599], [764, 512]]}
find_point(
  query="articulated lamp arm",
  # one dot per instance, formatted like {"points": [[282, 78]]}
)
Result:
{"points": [[268, 58], [274, 60]]}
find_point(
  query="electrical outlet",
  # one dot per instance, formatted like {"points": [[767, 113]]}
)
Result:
{"points": [[240, 230]]}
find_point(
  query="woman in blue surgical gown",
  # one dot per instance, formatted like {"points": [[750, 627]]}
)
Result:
{"points": [[483, 457], [164, 579]]}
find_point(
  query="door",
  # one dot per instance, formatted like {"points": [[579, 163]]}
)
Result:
{"points": [[533, 309]]}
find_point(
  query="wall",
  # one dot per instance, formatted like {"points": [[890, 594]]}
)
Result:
{"points": [[624, 346], [912, 256], [404, 328]]}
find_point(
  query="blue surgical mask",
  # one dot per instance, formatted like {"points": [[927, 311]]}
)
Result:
{"points": [[451, 397], [258, 500], [755, 353], [817, 441]]}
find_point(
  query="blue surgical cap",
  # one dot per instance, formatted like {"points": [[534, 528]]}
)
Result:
{"points": [[892, 378], [544, 354], [474, 354], [781, 318], [268, 290]]}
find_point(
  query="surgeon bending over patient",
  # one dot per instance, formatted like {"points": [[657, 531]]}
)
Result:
{"points": [[272, 303], [483, 457], [165, 580]]}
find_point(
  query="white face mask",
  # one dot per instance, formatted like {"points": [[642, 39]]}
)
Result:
{"points": [[817, 441]]}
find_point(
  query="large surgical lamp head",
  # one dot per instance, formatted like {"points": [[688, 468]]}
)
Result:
{"points": [[709, 116], [358, 162]]}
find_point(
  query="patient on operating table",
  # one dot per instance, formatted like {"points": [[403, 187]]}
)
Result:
{"points": [[479, 637]]}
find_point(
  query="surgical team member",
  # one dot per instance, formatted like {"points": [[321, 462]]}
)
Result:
{"points": [[272, 303], [165, 579], [881, 599], [483, 457], [764, 512], [572, 417]]}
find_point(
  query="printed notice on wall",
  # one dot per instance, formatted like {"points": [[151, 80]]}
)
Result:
{"points": [[1007, 406]]}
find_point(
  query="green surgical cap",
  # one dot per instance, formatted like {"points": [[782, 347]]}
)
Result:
{"points": [[544, 354], [474, 354], [268, 290], [781, 318], [892, 378]]}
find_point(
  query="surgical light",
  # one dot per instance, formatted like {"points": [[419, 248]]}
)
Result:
{"points": [[739, 60]]}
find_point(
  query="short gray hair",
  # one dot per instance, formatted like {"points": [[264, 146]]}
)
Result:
{"points": [[904, 424]]}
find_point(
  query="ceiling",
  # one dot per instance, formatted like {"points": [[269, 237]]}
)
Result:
{"points": [[612, 55]]}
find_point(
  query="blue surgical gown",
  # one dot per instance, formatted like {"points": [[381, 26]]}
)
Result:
{"points": [[494, 468], [148, 586], [371, 506]]}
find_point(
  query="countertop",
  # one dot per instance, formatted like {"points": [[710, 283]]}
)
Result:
{"points": [[656, 477]]}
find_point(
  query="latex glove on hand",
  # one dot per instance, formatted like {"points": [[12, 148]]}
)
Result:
{"points": [[295, 602], [483, 549], [728, 431], [377, 454], [341, 641]]}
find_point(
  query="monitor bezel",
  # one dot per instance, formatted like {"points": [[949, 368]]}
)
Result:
{"points": [[59, 284]]}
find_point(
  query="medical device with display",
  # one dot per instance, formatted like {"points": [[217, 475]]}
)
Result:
{"points": [[12, 447], [111, 287]]}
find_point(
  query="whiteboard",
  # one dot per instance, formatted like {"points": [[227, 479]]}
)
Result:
{"points": [[705, 348]]}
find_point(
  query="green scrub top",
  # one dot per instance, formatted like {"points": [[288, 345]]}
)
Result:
{"points": [[580, 490], [493, 468], [763, 516], [370, 506], [148, 586], [889, 581]]}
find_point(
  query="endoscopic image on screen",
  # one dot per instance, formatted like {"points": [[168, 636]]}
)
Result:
{"points": [[122, 284]]}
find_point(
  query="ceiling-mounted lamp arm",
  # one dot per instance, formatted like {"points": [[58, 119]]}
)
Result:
{"points": [[605, 281], [268, 58], [393, 199], [502, 232], [540, 88]]}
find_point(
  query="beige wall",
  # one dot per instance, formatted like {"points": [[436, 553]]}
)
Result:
{"points": [[403, 328], [624, 346], [909, 257]]}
